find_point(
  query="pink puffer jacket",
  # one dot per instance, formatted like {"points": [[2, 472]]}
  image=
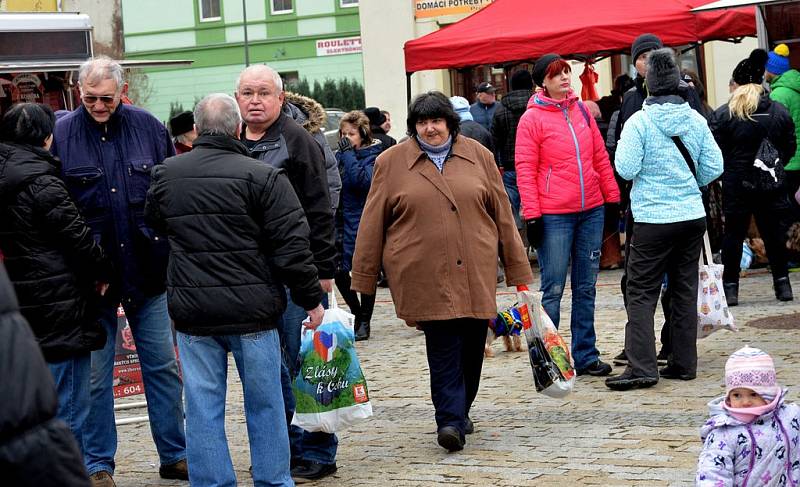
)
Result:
{"points": [[562, 164]]}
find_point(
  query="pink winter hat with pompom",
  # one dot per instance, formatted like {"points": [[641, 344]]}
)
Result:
{"points": [[752, 369]]}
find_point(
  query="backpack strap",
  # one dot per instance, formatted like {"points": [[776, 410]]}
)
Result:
{"points": [[685, 153], [585, 112]]}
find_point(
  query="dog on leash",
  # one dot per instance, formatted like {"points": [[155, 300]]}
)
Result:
{"points": [[507, 325]]}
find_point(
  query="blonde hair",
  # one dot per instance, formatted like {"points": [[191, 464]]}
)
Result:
{"points": [[744, 101]]}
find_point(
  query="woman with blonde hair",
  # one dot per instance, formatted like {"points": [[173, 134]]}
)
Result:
{"points": [[743, 127]]}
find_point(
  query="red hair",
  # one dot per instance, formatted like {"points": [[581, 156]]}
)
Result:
{"points": [[556, 68]]}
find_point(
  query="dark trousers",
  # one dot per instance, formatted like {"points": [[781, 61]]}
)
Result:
{"points": [[656, 249], [361, 309], [771, 211], [455, 359], [666, 346]]}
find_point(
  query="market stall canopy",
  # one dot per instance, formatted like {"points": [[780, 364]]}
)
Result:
{"points": [[520, 30]]}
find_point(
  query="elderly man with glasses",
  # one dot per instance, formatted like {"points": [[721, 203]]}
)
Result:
{"points": [[107, 151]]}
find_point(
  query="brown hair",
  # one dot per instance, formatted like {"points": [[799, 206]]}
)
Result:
{"points": [[360, 121]]}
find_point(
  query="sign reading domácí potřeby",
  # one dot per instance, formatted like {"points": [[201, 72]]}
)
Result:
{"points": [[434, 8]]}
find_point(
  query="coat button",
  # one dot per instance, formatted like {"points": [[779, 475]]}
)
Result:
{"points": [[458, 262], [453, 208], [113, 190]]}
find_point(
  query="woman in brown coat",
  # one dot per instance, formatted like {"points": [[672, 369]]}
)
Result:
{"points": [[435, 217]]}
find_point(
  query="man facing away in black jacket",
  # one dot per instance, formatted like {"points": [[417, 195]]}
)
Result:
{"points": [[237, 235]]}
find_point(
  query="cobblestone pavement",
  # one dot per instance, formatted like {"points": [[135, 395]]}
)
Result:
{"points": [[593, 437]]}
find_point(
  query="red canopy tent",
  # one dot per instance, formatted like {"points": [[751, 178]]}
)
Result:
{"points": [[520, 30]]}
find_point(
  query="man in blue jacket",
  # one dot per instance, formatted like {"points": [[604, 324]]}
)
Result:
{"points": [[107, 152], [486, 103]]}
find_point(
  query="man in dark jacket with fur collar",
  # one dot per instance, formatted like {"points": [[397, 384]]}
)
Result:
{"points": [[237, 235]]}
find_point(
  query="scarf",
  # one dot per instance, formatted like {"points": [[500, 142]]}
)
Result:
{"points": [[437, 153], [748, 415]]}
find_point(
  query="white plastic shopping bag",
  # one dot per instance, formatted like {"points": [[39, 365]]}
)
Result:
{"points": [[551, 361], [330, 389], [712, 309]]}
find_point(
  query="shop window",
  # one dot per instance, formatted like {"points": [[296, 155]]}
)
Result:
{"points": [[209, 10], [282, 6]]}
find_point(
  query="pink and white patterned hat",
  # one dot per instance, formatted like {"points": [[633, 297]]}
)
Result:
{"points": [[752, 369]]}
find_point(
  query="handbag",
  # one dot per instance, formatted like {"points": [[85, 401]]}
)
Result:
{"points": [[712, 308], [768, 173], [550, 357], [330, 389]]}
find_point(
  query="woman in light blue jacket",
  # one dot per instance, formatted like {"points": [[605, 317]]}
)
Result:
{"points": [[670, 222]]}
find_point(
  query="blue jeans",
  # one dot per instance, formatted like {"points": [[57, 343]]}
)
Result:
{"points": [[318, 446], [575, 237], [72, 385], [510, 183], [204, 360], [152, 333]]}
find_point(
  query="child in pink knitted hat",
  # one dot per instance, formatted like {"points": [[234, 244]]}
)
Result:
{"points": [[752, 436]]}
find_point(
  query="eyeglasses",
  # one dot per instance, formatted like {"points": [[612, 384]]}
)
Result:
{"points": [[92, 99], [249, 95]]}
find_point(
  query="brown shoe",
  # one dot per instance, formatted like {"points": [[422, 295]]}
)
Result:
{"points": [[178, 471], [102, 479]]}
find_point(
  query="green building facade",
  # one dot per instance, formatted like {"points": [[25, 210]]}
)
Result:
{"points": [[312, 39]]}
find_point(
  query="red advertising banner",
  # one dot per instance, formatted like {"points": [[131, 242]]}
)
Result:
{"points": [[127, 370]]}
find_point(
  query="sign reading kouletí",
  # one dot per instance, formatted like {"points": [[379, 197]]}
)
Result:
{"points": [[335, 47]]}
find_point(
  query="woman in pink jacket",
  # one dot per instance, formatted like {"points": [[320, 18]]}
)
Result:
{"points": [[564, 178]]}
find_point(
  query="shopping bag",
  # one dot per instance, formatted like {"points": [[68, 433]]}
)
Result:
{"points": [[712, 309], [551, 361], [330, 390]]}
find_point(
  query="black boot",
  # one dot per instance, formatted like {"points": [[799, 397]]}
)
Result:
{"points": [[362, 330], [731, 293], [783, 289]]}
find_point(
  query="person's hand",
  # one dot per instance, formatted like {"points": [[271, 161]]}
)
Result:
{"points": [[535, 231], [101, 288], [315, 317], [613, 209], [326, 285], [345, 145]]}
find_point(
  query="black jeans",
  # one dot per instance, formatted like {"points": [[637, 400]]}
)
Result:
{"points": [[655, 249], [455, 360], [772, 212], [666, 345]]}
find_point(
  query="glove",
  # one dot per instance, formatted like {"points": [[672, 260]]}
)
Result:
{"points": [[535, 231], [345, 145], [613, 210]]}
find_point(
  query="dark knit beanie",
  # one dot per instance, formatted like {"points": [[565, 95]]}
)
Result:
{"points": [[751, 70], [663, 75], [521, 80], [645, 43], [181, 123], [540, 68], [376, 118]]}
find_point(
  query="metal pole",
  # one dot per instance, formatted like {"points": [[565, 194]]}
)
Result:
{"points": [[246, 45], [130, 405]]}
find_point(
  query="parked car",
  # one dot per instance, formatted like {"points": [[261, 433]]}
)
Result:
{"points": [[332, 126]]}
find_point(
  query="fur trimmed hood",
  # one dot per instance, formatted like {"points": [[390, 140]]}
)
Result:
{"points": [[305, 111]]}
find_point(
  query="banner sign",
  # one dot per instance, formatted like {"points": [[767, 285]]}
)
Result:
{"points": [[127, 370], [335, 47], [434, 8]]}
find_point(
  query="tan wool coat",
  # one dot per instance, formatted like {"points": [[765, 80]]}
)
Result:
{"points": [[438, 234]]}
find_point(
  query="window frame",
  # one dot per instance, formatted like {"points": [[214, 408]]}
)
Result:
{"points": [[209, 19], [280, 12]]}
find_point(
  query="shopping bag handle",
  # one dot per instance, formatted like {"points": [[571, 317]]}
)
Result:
{"points": [[706, 252], [332, 300]]}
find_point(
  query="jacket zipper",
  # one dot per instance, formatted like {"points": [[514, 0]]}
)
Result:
{"points": [[578, 152], [547, 180]]}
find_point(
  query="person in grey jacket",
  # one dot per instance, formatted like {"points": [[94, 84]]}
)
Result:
{"points": [[310, 115]]}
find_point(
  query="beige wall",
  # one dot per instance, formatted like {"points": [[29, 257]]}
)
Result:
{"points": [[721, 59]]}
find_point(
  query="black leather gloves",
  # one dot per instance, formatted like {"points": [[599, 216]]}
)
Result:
{"points": [[535, 231]]}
